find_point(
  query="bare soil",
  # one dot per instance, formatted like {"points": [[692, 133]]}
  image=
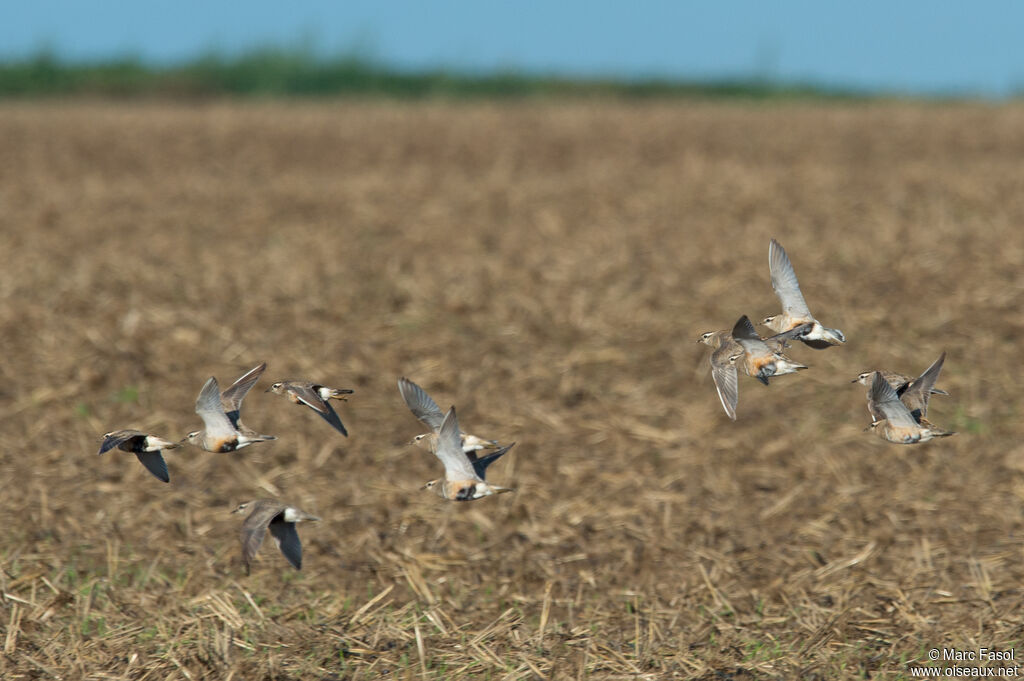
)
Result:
{"points": [[546, 267]]}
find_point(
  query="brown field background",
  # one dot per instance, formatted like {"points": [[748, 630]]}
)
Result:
{"points": [[546, 267]]}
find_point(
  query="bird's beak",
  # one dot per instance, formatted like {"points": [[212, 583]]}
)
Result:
{"points": [[856, 380], [267, 390], [502, 490]]}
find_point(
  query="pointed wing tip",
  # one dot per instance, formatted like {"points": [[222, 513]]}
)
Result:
{"points": [[333, 420], [744, 329]]}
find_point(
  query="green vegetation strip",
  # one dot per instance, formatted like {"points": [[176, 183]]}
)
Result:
{"points": [[290, 73]]}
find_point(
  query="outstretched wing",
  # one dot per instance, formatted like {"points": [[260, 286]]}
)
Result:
{"points": [[209, 408], [420, 404], [747, 337], [118, 438], [480, 464], [882, 399], [784, 282], [916, 393], [332, 418], [232, 397], [252, 540], [795, 332], [723, 372], [155, 464], [254, 528], [304, 393], [288, 541], [457, 465]]}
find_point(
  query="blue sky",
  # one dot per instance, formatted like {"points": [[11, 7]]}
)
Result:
{"points": [[910, 46]]}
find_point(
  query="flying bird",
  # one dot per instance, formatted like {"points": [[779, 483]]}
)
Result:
{"points": [[145, 446], [427, 411], [727, 352], [221, 414], [280, 519], [315, 396], [794, 307], [463, 472], [898, 424], [759, 360], [913, 392]]}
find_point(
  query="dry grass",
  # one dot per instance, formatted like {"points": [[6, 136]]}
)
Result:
{"points": [[547, 268]]}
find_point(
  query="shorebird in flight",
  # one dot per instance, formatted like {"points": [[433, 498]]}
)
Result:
{"points": [[464, 472], [280, 519], [913, 392], [794, 307], [727, 352], [145, 446], [759, 360], [898, 423], [315, 396], [427, 411], [221, 414]]}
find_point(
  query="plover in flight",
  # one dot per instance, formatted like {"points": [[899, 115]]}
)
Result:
{"points": [[463, 471], [913, 392], [727, 352], [427, 411], [221, 414], [280, 519], [794, 308], [143, 445], [759, 360], [315, 396], [898, 423]]}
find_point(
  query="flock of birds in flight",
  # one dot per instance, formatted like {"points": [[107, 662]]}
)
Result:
{"points": [[459, 452], [898, 406]]}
